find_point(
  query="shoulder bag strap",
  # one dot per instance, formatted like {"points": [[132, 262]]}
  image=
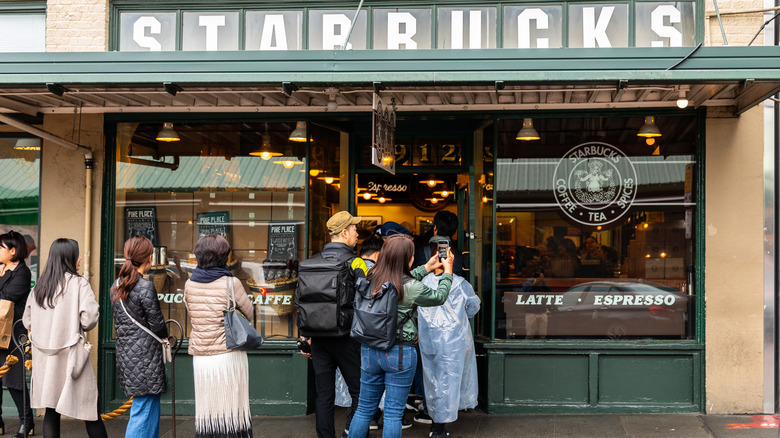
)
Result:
{"points": [[230, 288], [151, 333]]}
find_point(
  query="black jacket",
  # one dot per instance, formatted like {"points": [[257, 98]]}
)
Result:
{"points": [[138, 355], [15, 286]]}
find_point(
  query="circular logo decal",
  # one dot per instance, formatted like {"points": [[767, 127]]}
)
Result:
{"points": [[595, 183]]}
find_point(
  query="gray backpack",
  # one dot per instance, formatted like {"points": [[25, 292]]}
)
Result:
{"points": [[375, 321]]}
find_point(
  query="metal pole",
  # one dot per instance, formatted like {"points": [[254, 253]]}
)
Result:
{"points": [[352, 26]]}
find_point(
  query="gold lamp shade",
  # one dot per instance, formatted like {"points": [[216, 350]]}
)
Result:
{"points": [[649, 129], [167, 133], [527, 132]]}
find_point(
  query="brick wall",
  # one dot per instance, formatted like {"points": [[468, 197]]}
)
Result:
{"points": [[77, 25], [740, 22]]}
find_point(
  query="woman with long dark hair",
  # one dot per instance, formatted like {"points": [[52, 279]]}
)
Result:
{"points": [[60, 309], [221, 375], [381, 370], [139, 355], [15, 287]]}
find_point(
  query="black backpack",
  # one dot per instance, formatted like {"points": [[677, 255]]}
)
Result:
{"points": [[324, 295], [375, 322]]}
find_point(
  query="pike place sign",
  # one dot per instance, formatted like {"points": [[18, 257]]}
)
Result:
{"points": [[595, 184]]}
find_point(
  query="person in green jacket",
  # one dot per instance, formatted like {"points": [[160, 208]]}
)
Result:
{"points": [[384, 370]]}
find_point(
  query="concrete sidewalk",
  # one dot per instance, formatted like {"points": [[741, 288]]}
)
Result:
{"points": [[477, 424]]}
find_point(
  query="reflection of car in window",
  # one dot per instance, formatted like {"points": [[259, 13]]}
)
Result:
{"points": [[618, 309]]}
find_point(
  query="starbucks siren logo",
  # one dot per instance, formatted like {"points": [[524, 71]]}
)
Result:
{"points": [[595, 183]]}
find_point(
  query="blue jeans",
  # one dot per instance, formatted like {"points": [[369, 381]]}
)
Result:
{"points": [[144, 419], [380, 372]]}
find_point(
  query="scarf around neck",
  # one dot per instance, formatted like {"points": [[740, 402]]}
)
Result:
{"points": [[208, 275]]}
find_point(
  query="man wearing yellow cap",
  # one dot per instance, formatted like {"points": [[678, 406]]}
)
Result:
{"points": [[332, 347]]}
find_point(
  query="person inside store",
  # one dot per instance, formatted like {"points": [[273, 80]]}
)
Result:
{"points": [[608, 261], [381, 370], [565, 264], [334, 348], [445, 223], [447, 350], [139, 358], [218, 412], [590, 251], [15, 287], [536, 314], [60, 309]]}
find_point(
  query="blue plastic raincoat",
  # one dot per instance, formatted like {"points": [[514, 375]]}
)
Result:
{"points": [[447, 351]]}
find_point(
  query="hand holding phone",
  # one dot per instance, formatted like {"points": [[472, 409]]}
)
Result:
{"points": [[443, 248]]}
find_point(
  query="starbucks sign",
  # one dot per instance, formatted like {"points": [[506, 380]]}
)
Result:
{"points": [[595, 184]]}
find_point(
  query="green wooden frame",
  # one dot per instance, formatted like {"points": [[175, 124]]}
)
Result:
{"points": [[119, 6]]}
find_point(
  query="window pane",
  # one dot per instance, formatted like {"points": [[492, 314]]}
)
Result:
{"points": [[23, 33], [19, 196], [594, 229], [209, 183]]}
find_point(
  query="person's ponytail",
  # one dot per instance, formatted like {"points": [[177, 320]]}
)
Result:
{"points": [[138, 249]]}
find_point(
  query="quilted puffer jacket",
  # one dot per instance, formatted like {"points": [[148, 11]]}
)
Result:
{"points": [[205, 303], [138, 355]]}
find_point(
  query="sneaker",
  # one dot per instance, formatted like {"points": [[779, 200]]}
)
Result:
{"points": [[405, 424], [345, 434], [422, 417], [373, 425], [444, 434]]}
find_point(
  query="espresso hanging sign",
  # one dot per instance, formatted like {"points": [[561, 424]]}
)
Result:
{"points": [[656, 24]]}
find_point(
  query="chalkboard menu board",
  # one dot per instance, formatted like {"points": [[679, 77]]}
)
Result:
{"points": [[214, 222], [282, 241], [141, 221]]}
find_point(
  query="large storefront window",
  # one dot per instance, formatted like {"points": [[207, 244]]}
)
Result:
{"points": [[595, 229], [20, 191], [245, 181]]}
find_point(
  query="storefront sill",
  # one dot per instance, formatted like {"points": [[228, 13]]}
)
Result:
{"points": [[587, 344]]}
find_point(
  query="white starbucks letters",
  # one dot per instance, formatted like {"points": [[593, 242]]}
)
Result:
{"points": [[657, 24]]}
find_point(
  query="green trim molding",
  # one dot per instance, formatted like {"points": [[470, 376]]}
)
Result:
{"points": [[363, 67]]}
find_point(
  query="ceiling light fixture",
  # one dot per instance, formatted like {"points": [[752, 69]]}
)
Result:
{"points": [[367, 196], [682, 99], [431, 181], [332, 104], [299, 133], [265, 151], [527, 132], [167, 133], [649, 130]]}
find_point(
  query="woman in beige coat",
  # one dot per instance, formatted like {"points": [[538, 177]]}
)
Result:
{"points": [[59, 310], [221, 375]]}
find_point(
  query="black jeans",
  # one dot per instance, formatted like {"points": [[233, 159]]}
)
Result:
{"points": [[328, 354]]}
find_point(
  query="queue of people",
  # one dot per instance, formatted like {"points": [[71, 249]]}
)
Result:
{"points": [[433, 306]]}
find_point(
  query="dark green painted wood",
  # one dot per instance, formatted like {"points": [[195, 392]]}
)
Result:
{"points": [[526, 66], [546, 379], [641, 379], [593, 376], [23, 7], [277, 382]]}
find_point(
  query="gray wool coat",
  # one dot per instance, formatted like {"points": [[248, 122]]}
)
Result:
{"points": [[52, 329]]}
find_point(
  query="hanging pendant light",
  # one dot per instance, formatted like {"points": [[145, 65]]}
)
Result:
{"points": [[289, 160], [265, 151], [299, 133], [167, 133], [28, 144], [527, 132], [649, 129]]}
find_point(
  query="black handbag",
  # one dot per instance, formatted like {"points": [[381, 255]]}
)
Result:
{"points": [[239, 333]]}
